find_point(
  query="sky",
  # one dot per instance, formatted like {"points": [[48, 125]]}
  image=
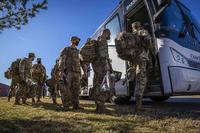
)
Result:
{"points": [[50, 31]]}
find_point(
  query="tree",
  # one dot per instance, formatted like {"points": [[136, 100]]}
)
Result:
{"points": [[14, 13]]}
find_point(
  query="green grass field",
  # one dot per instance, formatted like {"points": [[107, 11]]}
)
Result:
{"points": [[50, 118]]}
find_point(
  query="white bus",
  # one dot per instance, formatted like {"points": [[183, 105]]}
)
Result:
{"points": [[176, 37]]}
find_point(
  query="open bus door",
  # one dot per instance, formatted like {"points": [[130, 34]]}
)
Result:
{"points": [[154, 86]]}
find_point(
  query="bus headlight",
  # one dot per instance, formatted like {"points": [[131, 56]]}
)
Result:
{"points": [[178, 57]]}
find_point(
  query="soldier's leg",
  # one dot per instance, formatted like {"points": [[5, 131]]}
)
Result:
{"points": [[10, 91], [64, 96], [141, 81], [19, 92], [32, 92], [39, 92], [54, 95], [75, 90], [100, 98], [29, 92]]}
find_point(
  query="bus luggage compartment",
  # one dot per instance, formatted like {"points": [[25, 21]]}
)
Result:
{"points": [[184, 80]]}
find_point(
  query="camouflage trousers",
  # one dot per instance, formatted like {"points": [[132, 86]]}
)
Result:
{"points": [[141, 80], [39, 90], [54, 93], [100, 96], [25, 90], [13, 88], [73, 83], [65, 93]]}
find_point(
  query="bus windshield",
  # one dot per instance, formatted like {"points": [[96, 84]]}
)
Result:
{"points": [[190, 24], [179, 18]]}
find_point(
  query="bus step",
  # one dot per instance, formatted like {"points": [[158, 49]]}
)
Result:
{"points": [[153, 94]]}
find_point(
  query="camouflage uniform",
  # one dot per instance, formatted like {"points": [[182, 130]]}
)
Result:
{"points": [[39, 77], [26, 87], [15, 78], [55, 78], [141, 65], [100, 67], [70, 67]]}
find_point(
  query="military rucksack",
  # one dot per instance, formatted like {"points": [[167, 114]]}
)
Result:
{"points": [[128, 46], [14, 68], [7, 74], [89, 51]]}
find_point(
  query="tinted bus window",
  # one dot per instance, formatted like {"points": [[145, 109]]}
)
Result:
{"points": [[114, 27], [172, 20]]}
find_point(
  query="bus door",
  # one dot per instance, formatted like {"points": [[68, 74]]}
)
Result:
{"points": [[140, 13]]}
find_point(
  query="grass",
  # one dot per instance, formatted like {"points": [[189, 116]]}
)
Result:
{"points": [[49, 118]]}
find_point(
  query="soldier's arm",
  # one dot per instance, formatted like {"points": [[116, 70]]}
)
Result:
{"points": [[44, 73], [83, 65], [62, 59]]}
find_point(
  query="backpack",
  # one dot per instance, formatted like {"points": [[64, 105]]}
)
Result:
{"points": [[14, 68], [7, 74], [128, 46], [89, 51]]}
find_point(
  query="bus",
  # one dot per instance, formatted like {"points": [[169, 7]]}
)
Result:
{"points": [[176, 48]]}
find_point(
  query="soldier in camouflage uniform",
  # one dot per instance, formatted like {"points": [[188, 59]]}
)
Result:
{"points": [[100, 67], [25, 88], [39, 77], [140, 64], [70, 72], [55, 78], [15, 79]]}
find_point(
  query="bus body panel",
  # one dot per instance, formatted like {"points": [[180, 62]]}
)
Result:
{"points": [[177, 73]]}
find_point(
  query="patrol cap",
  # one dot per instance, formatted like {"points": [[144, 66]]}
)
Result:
{"points": [[75, 38], [39, 59], [136, 24], [31, 55]]}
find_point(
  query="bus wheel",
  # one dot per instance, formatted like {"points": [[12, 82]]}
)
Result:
{"points": [[159, 98], [119, 100]]}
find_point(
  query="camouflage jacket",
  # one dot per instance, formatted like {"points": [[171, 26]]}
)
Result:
{"points": [[70, 60], [25, 66], [38, 73], [145, 43], [55, 72]]}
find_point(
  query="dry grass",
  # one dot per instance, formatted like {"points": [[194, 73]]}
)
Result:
{"points": [[49, 118]]}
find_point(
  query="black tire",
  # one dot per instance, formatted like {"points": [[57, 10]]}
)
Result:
{"points": [[159, 98], [120, 100]]}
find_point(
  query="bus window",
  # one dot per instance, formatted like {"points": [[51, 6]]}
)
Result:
{"points": [[114, 27]]}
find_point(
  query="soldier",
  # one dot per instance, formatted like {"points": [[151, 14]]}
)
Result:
{"points": [[15, 79], [141, 64], [55, 78], [39, 77], [25, 84], [100, 67], [70, 72]]}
